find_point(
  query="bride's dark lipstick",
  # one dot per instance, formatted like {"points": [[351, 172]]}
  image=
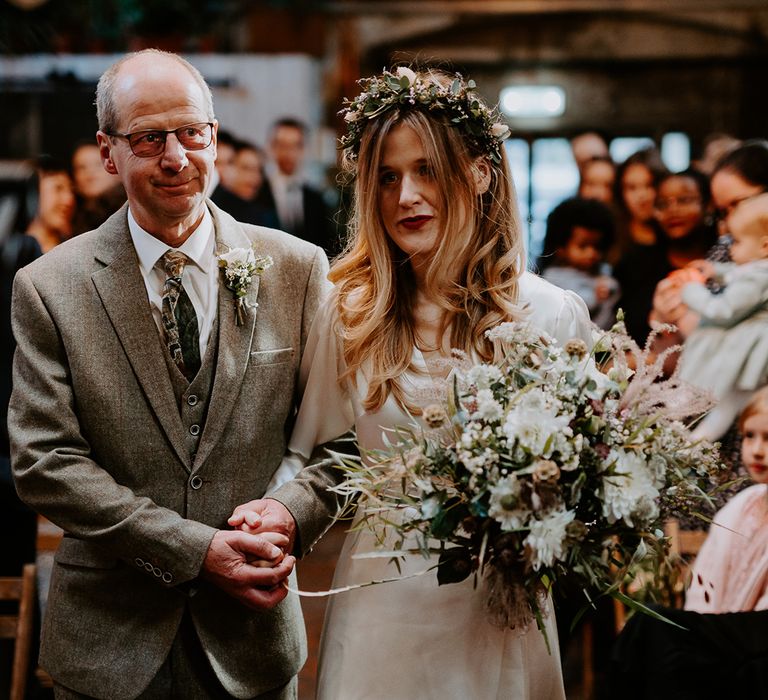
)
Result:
{"points": [[414, 223]]}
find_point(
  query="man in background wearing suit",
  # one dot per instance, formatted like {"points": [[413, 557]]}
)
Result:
{"points": [[145, 409], [300, 207]]}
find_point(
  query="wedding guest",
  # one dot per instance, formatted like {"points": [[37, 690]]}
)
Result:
{"points": [[716, 147], [597, 179], [99, 194], [728, 351], [301, 208], [586, 146], [16, 250], [435, 257], [241, 198], [682, 236], [148, 402], [579, 233], [635, 195], [52, 220], [739, 176], [731, 571], [225, 160]]}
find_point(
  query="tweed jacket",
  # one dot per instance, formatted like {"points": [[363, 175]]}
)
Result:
{"points": [[98, 448]]}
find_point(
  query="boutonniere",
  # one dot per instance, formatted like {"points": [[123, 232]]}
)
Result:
{"points": [[239, 265]]}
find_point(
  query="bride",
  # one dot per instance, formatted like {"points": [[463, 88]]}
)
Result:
{"points": [[435, 259]]}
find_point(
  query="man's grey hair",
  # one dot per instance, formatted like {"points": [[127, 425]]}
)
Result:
{"points": [[106, 110]]}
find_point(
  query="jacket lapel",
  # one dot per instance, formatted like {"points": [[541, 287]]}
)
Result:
{"points": [[124, 296], [234, 341]]}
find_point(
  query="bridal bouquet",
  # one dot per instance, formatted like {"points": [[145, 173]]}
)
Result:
{"points": [[545, 467]]}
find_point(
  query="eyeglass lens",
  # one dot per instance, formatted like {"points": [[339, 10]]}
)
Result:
{"points": [[193, 137]]}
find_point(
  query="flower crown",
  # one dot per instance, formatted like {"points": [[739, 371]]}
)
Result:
{"points": [[404, 88]]}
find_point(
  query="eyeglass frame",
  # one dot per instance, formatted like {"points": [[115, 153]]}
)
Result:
{"points": [[165, 133]]}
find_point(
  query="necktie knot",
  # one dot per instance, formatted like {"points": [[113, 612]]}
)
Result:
{"points": [[173, 263]]}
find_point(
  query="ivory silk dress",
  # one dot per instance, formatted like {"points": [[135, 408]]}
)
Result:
{"points": [[413, 638]]}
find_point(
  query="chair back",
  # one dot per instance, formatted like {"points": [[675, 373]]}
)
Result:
{"points": [[19, 626]]}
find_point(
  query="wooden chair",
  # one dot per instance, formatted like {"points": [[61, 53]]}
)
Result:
{"points": [[19, 626]]}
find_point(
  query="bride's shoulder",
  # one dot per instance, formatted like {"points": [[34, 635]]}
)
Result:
{"points": [[559, 312]]}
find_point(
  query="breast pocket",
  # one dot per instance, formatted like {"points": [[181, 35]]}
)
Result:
{"points": [[272, 357]]}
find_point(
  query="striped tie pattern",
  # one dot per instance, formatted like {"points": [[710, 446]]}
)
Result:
{"points": [[182, 335]]}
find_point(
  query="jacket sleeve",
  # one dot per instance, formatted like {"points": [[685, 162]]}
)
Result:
{"points": [[55, 472]]}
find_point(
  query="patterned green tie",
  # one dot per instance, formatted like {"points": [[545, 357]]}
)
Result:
{"points": [[179, 318]]}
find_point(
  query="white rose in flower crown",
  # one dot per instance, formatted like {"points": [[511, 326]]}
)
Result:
{"points": [[403, 72], [352, 116], [499, 131]]}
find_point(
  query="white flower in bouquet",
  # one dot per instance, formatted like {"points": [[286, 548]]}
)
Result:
{"points": [[547, 537], [483, 376], [488, 409], [534, 421], [505, 504], [629, 491]]}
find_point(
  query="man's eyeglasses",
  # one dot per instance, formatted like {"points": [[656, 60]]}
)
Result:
{"points": [[669, 202], [151, 142]]}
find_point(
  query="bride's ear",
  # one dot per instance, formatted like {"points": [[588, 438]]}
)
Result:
{"points": [[481, 174]]}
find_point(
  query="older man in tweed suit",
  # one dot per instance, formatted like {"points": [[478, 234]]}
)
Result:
{"points": [[144, 410]]}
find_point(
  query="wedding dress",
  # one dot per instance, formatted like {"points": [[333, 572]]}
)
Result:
{"points": [[413, 638]]}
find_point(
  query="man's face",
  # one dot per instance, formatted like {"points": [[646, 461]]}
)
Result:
{"points": [[287, 147], [166, 192]]}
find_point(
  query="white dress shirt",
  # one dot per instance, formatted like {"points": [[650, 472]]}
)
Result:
{"points": [[200, 278], [289, 199]]}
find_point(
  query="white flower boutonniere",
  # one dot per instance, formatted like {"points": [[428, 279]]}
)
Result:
{"points": [[239, 265]]}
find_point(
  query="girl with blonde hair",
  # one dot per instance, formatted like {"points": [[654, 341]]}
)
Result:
{"points": [[435, 258]]}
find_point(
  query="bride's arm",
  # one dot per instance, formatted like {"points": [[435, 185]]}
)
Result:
{"points": [[325, 415], [325, 409]]}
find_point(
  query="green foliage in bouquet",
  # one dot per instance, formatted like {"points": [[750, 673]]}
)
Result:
{"points": [[541, 469]]}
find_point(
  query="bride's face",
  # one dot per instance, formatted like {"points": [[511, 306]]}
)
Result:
{"points": [[408, 194]]}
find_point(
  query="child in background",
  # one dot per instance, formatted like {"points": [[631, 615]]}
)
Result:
{"points": [[579, 232], [728, 351], [597, 179], [731, 572]]}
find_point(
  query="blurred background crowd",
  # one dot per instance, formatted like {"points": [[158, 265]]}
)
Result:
{"points": [[638, 129]]}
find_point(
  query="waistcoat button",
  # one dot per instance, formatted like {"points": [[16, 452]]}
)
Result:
{"points": [[192, 400], [194, 429]]}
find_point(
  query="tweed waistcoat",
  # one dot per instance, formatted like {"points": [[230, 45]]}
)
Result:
{"points": [[192, 397]]}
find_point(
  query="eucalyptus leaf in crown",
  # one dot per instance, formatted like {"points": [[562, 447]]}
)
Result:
{"points": [[405, 89], [541, 469]]}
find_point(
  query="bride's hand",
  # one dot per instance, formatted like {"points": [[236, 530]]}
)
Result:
{"points": [[265, 515]]}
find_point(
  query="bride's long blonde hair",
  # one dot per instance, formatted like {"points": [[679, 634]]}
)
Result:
{"points": [[481, 246]]}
